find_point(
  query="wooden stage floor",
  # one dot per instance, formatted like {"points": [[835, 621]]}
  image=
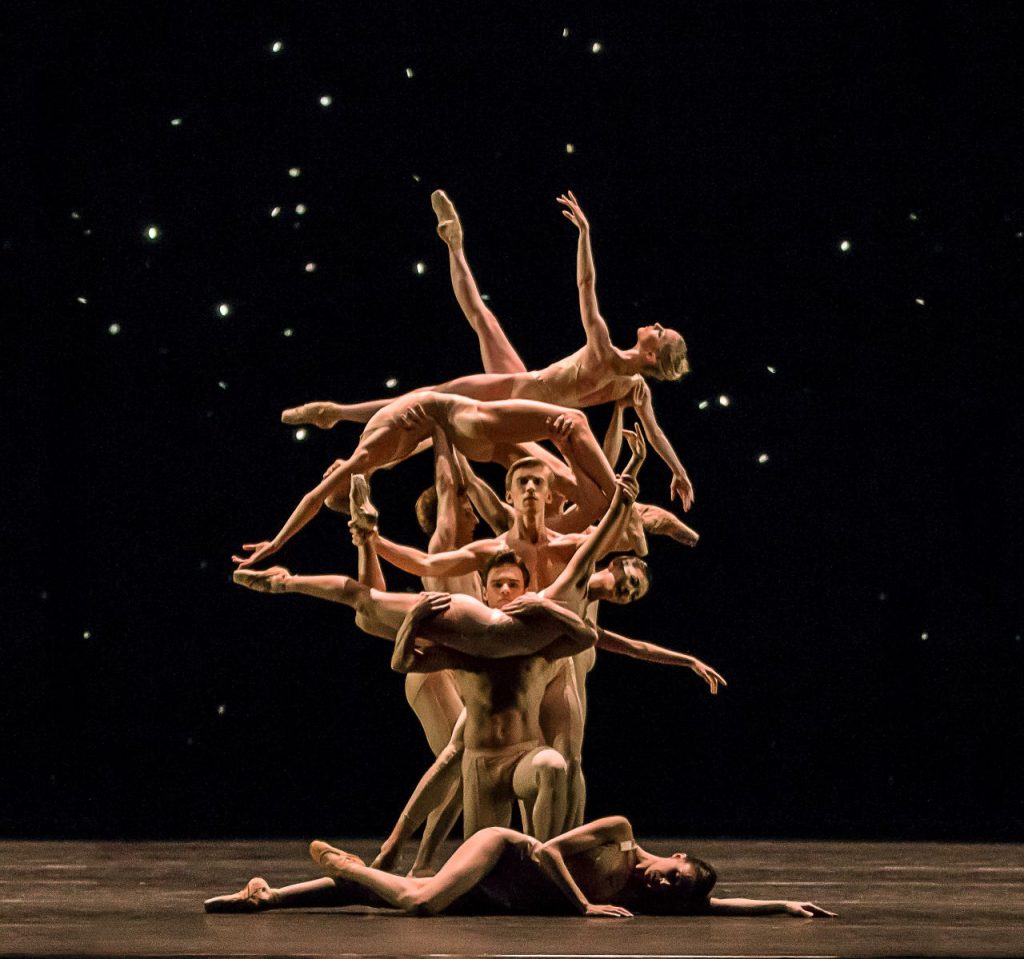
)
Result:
{"points": [[145, 899]]}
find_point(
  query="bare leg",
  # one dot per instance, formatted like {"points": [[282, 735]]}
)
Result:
{"points": [[540, 782], [440, 823], [473, 860], [660, 522], [258, 896], [496, 351]]}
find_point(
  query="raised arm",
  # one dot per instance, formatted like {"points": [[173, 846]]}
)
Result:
{"points": [[579, 569], [681, 485], [599, 343], [592, 835], [650, 653]]}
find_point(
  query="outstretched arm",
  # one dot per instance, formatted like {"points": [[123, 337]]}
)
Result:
{"points": [[592, 835], [581, 566], [454, 562], [681, 485], [767, 907], [650, 653], [599, 343]]}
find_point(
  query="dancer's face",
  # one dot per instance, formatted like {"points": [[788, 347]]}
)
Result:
{"points": [[621, 581], [530, 489], [668, 872], [651, 339], [504, 584]]}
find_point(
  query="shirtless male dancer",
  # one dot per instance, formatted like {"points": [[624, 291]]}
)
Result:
{"points": [[596, 870], [597, 373]]}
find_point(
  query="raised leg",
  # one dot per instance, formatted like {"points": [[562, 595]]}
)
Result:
{"points": [[540, 782], [473, 860]]}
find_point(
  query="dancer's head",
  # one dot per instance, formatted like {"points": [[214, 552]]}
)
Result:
{"points": [[663, 351], [505, 577], [674, 885], [426, 513], [624, 580], [528, 485]]}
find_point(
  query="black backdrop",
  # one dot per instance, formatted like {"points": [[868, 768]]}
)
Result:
{"points": [[859, 590]]}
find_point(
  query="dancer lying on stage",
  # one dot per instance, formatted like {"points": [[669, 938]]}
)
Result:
{"points": [[595, 870], [597, 373], [485, 431]]}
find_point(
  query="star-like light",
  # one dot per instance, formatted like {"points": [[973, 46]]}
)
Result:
{"points": [[300, 434], [152, 233], [222, 384], [770, 369], [326, 100], [87, 634], [275, 211], [310, 267], [913, 216], [420, 268], [723, 400], [224, 309], [277, 46], [570, 148], [81, 299], [114, 329], [565, 31], [844, 246], [702, 405], [409, 72], [221, 709], [300, 208], [294, 171], [596, 47], [919, 301], [391, 382], [75, 215], [763, 458], [287, 331], [924, 636], [176, 121]]}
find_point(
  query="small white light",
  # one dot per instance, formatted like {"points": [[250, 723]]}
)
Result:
{"points": [[1019, 234], [275, 211], [565, 31], [294, 171], [723, 400], [221, 709], [391, 382], [45, 595], [276, 47], [114, 329], [300, 208], [882, 597], [326, 100], [702, 405], [486, 297], [596, 47], [844, 245], [203, 564], [416, 177], [176, 122], [924, 636], [913, 216], [152, 232], [919, 301], [86, 232], [224, 309], [300, 434], [222, 384], [763, 458], [310, 267], [770, 369], [420, 268], [570, 148], [409, 73], [87, 635], [81, 299], [287, 331], [75, 215]]}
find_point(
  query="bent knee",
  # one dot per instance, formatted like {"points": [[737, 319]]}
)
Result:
{"points": [[550, 762]]}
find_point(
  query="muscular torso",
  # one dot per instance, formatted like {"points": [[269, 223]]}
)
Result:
{"points": [[503, 700], [546, 558], [576, 381]]}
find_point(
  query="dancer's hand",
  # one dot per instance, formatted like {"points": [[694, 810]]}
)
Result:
{"points": [[560, 427], [711, 676], [412, 418], [361, 536], [574, 212], [430, 604], [608, 912], [637, 396], [682, 487], [525, 605], [258, 552], [637, 445], [629, 488], [808, 910]]}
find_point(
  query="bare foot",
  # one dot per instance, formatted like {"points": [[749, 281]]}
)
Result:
{"points": [[364, 513], [262, 580], [660, 522], [449, 227], [255, 895], [321, 414], [334, 862]]}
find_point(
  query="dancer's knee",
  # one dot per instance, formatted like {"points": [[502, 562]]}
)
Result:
{"points": [[550, 768]]}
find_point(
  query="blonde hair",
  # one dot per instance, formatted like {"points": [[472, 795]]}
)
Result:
{"points": [[671, 362]]}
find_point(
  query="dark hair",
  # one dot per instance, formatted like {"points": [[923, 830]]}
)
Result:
{"points": [[523, 463], [506, 557], [623, 558], [426, 510], [684, 899]]}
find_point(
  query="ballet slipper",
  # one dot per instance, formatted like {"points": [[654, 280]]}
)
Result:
{"points": [[255, 895], [319, 851], [449, 226], [364, 513], [319, 414], [660, 522], [262, 580]]}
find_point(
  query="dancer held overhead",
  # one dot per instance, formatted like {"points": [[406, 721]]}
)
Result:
{"points": [[595, 870], [597, 373]]}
